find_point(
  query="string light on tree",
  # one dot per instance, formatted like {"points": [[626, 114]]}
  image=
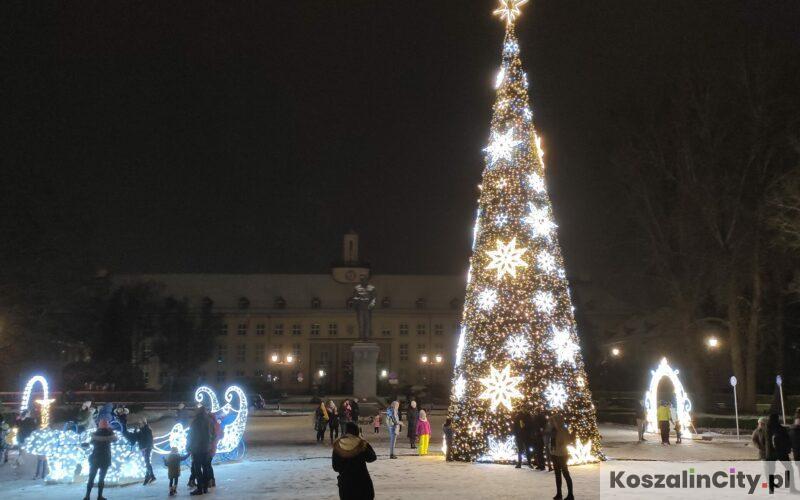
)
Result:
{"points": [[523, 350]]}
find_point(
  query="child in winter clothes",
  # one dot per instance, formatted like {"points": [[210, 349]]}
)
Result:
{"points": [[173, 463], [376, 423], [447, 429], [423, 432], [677, 432]]}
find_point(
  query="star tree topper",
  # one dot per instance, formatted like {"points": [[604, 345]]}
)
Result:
{"points": [[509, 10], [501, 387]]}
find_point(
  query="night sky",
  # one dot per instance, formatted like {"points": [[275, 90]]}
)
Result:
{"points": [[249, 136]]}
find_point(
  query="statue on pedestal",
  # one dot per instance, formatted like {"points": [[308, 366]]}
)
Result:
{"points": [[364, 301]]}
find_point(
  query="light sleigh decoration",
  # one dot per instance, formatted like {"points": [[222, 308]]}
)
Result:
{"points": [[519, 349], [67, 451], [684, 405], [233, 420]]}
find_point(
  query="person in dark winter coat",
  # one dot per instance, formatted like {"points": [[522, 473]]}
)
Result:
{"points": [[760, 438], [537, 440], [560, 454], [794, 435], [216, 428], [356, 412], [521, 429], [412, 416], [351, 454], [333, 423], [200, 436], [100, 458], [144, 438], [778, 446], [447, 430]]}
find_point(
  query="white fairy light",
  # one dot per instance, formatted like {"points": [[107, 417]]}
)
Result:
{"points": [[475, 228], [500, 77], [460, 347], [517, 346], [546, 261], [580, 453], [544, 302], [501, 146], [474, 428], [479, 355], [460, 387], [564, 347], [684, 405], [509, 10], [500, 387], [501, 220], [487, 299], [44, 403], [556, 395], [541, 223], [536, 183], [500, 450], [507, 258], [511, 47]]}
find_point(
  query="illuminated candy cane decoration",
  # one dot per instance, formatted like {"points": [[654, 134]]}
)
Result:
{"points": [[233, 431], [212, 396], [45, 402]]}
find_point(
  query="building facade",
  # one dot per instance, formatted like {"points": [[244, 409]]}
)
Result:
{"points": [[296, 330]]}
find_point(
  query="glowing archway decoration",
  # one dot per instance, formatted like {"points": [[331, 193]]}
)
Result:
{"points": [[684, 405], [233, 422], [44, 403]]}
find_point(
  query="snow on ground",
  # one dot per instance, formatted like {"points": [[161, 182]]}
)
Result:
{"points": [[284, 462]]}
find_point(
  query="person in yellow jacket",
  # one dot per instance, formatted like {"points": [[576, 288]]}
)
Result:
{"points": [[664, 416]]}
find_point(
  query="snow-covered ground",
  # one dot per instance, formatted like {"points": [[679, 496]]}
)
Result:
{"points": [[284, 462]]}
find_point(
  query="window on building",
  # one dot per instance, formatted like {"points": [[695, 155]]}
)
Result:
{"points": [[223, 330], [241, 329], [315, 329], [421, 330], [240, 373], [258, 373], [297, 329], [222, 353], [420, 303], [386, 332], [324, 357], [221, 376], [403, 352], [278, 330], [438, 349], [438, 329], [241, 353], [280, 303], [403, 328], [243, 303], [260, 329], [333, 329], [420, 348], [162, 376], [260, 350], [316, 303], [146, 377], [277, 348], [296, 351]]}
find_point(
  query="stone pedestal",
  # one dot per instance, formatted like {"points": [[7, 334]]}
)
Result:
{"points": [[365, 371]]}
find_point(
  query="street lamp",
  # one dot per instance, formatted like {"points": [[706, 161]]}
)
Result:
{"points": [[616, 352], [384, 373], [438, 358], [321, 373], [712, 342], [276, 359], [424, 358]]}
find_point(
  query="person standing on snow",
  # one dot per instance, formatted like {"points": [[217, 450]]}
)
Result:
{"points": [[216, 428], [412, 417], [200, 435], [100, 458], [394, 425], [350, 457], [333, 423], [664, 415], [423, 432], [560, 455]]}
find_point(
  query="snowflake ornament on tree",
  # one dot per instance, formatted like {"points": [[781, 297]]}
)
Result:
{"points": [[562, 344], [556, 395], [507, 258], [501, 388], [502, 146], [517, 346]]}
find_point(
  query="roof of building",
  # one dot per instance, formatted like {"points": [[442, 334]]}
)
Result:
{"points": [[262, 290]]}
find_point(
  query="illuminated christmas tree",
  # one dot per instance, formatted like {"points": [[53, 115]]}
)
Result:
{"points": [[518, 349]]}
